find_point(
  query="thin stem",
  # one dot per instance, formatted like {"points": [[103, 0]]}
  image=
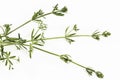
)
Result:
{"points": [[60, 37], [36, 32], [28, 22], [78, 64], [49, 53], [44, 51], [20, 26]]}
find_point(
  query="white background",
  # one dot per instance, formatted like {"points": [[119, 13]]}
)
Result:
{"points": [[89, 15]]}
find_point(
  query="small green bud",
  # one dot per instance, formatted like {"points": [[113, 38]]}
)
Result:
{"points": [[64, 9], [106, 33], [99, 74]]}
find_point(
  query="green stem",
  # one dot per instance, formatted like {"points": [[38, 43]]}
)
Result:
{"points": [[78, 64], [44, 50], [28, 22], [56, 55], [49, 53], [60, 37], [20, 26]]}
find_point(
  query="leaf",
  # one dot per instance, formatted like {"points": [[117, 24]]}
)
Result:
{"points": [[70, 35], [10, 62], [18, 59], [55, 7], [69, 40], [66, 30], [58, 14], [40, 12], [6, 62], [7, 28], [37, 37], [96, 35], [12, 57], [34, 16], [11, 39], [37, 14], [75, 28], [89, 71], [19, 36], [65, 58], [106, 34], [30, 50], [2, 50]]}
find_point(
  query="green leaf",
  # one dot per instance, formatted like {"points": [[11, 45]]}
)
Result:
{"points": [[7, 28], [34, 16], [69, 40], [2, 50], [10, 62], [37, 14], [6, 62], [66, 30], [19, 36], [70, 35], [65, 58], [18, 59], [55, 7], [106, 33], [37, 36], [12, 57], [58, 14], [96, 35], [75, 28], [30, 50], [89, 71]]}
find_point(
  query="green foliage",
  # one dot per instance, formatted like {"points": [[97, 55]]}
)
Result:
{"points": [[70, 33], [7, 29], [37, 14], [7, 58], [65, 58], [37, 39], [91, 71], [59, 12], [96, 35]]}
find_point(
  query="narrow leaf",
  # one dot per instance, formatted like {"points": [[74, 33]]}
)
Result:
{"points": [[58, 14], [37, 37], [32, 34], [10, 62], [34, 16], [66, 30], [12, 57], [30, 50], [70, 35]]}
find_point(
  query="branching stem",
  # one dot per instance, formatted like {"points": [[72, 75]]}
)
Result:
{"points": [[28, 22]]}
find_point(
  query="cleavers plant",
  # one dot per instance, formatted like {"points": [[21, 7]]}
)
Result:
{"points": [[38, 39]]}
